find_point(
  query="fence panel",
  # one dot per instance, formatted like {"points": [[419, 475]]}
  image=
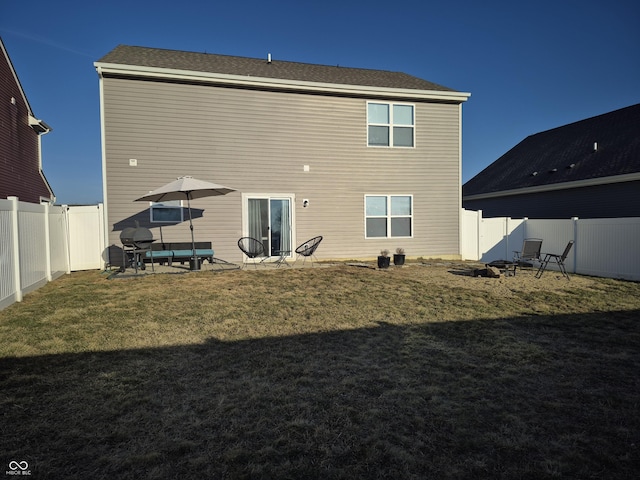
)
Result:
{"points": [[58, 241], [33, 246], [608, 247], [555, 234], [8, 287], [86, 237], [603, 247], [469, 245]]}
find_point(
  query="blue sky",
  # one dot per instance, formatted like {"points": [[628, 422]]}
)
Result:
{"points": [[529, 66]]}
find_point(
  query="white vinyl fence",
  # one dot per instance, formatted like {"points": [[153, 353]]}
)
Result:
{"points": [[39, 243], [605, 247], [86, 237]]}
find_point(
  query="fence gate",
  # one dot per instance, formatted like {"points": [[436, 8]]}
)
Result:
{"points": [[86, 237]]}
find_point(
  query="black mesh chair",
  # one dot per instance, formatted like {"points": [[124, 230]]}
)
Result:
{"points": [[308, 248], [252, 248], [529, 254], [559, 259]]}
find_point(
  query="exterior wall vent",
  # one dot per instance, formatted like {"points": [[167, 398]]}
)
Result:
{"points": [[595, 146]]}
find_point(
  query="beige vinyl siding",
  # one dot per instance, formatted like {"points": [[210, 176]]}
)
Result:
{"points": [[258, 142]]}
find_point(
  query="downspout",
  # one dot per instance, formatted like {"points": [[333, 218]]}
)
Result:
{"points": [[460, 215], [45, 129], [105, 203]]}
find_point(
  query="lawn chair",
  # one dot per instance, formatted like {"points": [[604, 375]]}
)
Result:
{"points": [[559, 259], [308, 248], [529, 254], [252, 248]]}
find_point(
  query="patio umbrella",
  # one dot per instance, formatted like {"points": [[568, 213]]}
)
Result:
{"points": [[189, 188]]}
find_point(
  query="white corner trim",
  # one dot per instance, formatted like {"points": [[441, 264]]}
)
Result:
{"points": [[278, 83]]}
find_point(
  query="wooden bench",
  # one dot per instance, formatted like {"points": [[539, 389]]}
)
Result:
{"points": [[178, 251]]}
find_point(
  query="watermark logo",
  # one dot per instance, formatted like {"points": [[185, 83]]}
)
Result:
{"points": [[18, 468]]}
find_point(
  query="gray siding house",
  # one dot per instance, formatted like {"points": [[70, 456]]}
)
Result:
{"points": [[368, 159], [586, 169]]}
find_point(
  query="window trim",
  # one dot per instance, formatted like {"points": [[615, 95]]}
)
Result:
{"points": [[162, 206], [388, 216], [391, 124]]}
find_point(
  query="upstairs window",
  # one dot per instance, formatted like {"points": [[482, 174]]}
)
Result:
{"points": [[388, 216], [166, 212], [390, 125]]}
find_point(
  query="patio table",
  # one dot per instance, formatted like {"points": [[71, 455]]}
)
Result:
{"points": [[282, 257]]}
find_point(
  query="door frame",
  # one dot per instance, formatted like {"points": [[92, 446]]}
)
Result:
{"points": [[270, 196]]}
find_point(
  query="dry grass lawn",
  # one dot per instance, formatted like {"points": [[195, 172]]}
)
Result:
{"points": [[330, 373]]}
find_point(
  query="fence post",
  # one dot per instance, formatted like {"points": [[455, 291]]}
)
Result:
{"points": [[479, 235], [67, 242], [47, 236], [16, 247], [575, 243], [506, 237]]}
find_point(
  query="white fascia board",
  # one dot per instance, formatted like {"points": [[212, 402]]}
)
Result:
{"points": [[629, 177], [38, 125], [278, 83]]}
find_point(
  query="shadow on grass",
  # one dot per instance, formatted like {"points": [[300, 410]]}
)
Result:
{"points": [[532, 398]]}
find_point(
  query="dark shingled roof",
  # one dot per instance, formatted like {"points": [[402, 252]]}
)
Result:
{"points": [[254, 67], [566, 154]]}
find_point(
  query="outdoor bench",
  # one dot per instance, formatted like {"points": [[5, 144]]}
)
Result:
{"points": [[179, 251]]}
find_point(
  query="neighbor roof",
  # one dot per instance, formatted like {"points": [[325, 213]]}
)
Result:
{"points": [[254, 67], [607, 145]]}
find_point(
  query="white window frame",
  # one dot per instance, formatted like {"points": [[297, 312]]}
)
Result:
{"points": [[171, 204], [270, 196], [388, 215], [391, 124]]}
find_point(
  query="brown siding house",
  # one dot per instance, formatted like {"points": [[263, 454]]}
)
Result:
{"points": [[586, 169], [376, 155], [20, 156]]}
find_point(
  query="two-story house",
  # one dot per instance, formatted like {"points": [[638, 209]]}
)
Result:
{"points": [[368, 159], [21, 172]]}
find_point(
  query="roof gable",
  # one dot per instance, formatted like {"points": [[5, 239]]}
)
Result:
{"points": [[15, 76], [603, 146], [263, 68]]}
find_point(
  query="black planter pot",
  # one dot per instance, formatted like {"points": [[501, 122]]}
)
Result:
{"points": [[398, 258], [384, 262]]}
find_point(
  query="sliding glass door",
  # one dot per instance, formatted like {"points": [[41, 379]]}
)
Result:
{"points": [[269, 220]]}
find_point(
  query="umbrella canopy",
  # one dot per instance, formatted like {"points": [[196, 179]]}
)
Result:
{"points": [[189, 188], [185, 187]]}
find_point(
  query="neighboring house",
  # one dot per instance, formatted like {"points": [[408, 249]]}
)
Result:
{"points": [[369, 159], [587, 169], [20, 141]]}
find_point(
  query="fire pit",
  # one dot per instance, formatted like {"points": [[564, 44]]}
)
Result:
{"points": [[136, 241]]}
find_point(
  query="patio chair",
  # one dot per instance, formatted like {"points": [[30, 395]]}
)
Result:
{"points": [[252, 248], [307, 249], [529, 254], [559, 259]]}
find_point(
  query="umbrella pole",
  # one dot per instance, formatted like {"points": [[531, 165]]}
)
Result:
{"points": [[194, 264]]}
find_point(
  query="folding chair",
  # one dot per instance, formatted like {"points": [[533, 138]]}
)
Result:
{"points": [[529, 254], [252, 248], [308, 248], [559, 259]]}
